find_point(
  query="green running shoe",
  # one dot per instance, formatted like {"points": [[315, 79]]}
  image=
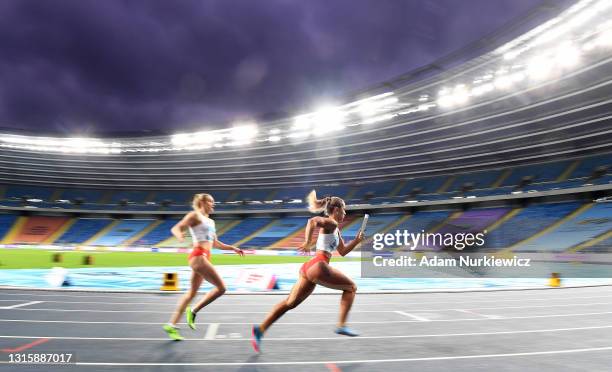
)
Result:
{"points": [[190, 317], [173, 332]]}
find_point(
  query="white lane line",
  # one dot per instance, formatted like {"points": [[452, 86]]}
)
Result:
{"points": [[319, 323], [336, 338], [423, 359], [211, 332], [415, 317], [475, 313], [357, 303], [240, 297], [207, 312], [20, 305], [324, 312]]}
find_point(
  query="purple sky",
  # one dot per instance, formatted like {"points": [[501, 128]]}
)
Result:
{"points": [[85, 66]]}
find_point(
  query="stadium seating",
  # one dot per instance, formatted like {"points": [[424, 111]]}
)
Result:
{"points": [[32, 192], [373, 190], [82, 230], [586, 223], [121, 232], [6, 222], [245, 228], [588, 165], [38, 229], [527, 222], [537, 173], [537, 177], [86, 195], [159, 233], [281, 228]]}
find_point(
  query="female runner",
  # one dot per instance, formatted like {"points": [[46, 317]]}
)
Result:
{"points": [[317, 270], [203, 232]]}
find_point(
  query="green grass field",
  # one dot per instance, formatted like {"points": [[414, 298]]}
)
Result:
{"points": [[42, 259]]}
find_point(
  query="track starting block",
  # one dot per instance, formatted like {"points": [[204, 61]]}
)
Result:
{"points": [[555, 280], [170, 282]]}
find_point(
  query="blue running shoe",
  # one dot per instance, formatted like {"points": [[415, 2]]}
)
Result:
{"points": [[256, 340], [346, 331]]}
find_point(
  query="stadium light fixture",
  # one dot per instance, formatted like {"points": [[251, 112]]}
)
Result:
{"points": [[539, 68], [445, 101], [461, 94], [302, 122], [605, 38], [378, 118], [244, 133], [300, 134], [567, 55], [328, 119], [503, 82]]}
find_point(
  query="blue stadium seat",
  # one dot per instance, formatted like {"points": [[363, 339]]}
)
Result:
{"points": [[245, 228], [6, 222], [82, 230]]}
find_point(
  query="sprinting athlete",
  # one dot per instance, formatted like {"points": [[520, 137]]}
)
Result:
{"points": [[317, 270], [202, 229]]}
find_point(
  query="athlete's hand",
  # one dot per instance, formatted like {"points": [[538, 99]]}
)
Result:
{"points": [[305, 247], [359, 237], [239, 251]]}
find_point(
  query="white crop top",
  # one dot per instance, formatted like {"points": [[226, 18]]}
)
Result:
{"points": [[328, 242], [203, 232]]}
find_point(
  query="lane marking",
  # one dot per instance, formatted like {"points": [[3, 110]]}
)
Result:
{"points": [[423, 359], [308, 311], [26, 346], [320, 323], [335, 338], [313, 303], [207, 312], [544, 291], [475, 313], [211, 332], [415, 317], [20, 305]]}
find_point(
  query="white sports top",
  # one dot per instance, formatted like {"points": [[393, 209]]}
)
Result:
{"points": [[203, 232], [328, 242]]}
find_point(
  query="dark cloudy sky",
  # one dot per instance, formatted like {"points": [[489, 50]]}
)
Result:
{"points": [[85, 66]]}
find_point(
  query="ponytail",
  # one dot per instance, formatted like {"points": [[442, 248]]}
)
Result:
{"points": [[316, 205], [326, 204]]}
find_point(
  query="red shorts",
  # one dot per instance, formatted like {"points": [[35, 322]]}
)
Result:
{"points": [[197, 251], [320, 256]]}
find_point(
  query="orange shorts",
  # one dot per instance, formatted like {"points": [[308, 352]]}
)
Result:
{"points": [[197, 251], [319, 257]]}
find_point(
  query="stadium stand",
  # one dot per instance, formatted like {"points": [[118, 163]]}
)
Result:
{"points": [[586, 223], [6, 222], [119, 233], [527, 222], [82, 230], [38, 229], [244, 229], [281, 228]]}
